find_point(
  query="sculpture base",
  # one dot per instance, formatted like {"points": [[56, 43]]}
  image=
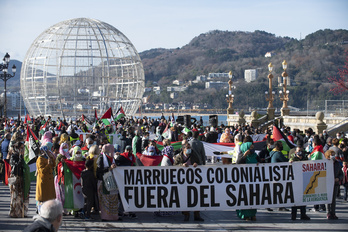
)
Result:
{"points": [[230, 111], [285, 111], [270, 113]]}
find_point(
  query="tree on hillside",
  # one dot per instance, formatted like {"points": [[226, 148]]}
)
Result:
{"points": [[341, 82]]}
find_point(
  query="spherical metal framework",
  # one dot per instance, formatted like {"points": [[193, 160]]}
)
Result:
{"points": [[80, 65]]}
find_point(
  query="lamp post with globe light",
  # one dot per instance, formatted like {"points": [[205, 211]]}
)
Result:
{"points": [[5, 76], [230, 96], [270, 94], [284, 94]]}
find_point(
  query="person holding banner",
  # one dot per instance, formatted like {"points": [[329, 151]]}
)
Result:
{"points": [[186, 158], [299, 155], [108, 201], [338, 174], [249, 157]]}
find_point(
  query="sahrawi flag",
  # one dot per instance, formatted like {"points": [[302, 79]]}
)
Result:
{"points": [[32, 150], [278, 135], [72, 182], [86, 121], [107, 118], [120, 113], [27, 119], [43, 128]]}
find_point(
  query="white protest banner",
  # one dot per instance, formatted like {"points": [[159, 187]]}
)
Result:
{"points": [[225, 187]]}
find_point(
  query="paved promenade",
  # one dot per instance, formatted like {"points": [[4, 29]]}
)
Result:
{"points": [[214, 220]]}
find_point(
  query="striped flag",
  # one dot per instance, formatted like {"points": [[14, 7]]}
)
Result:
{"points": [[108, 119], [185, 130], [86, 121], [120, 113], [278, 135], [43, 128], [27, 119], [32, 150], [72, 180]]}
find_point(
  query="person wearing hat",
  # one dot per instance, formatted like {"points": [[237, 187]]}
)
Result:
{"points": [[299, 155]]}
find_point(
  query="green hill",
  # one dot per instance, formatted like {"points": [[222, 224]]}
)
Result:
{"points": [[310, 61]]}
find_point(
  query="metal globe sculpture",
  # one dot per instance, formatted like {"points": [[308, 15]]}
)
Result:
{"points": [[80, 65]]}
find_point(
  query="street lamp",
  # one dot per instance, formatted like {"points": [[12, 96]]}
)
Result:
{"points": [[230, 96], [270, 94], [284, 95], [6, 76]]}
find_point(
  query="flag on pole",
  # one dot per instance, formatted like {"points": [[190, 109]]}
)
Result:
{"points": [[32, 146], [120, 113], [72, 180], [95, 115], [166, 133], [27, 119], [60, 125], [107, 118], [43, 128], [172, 120], [185, 130], [278, 135], [87, 121]]}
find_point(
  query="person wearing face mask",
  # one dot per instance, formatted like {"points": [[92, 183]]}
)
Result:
{"points": [[64, 150], [77, 154], [187, 158]]}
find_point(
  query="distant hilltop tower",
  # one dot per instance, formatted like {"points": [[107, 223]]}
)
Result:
{"points": [[80, 65]]}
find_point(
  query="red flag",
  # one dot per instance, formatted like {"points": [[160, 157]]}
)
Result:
{"points": [[7, 171], [76, 167], [279, 135], [27, 119], [60, 125], [150, 160], [95, 115]]}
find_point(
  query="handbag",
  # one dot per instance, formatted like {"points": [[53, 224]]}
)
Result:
{"points": [[12, 180], [109, 181]]}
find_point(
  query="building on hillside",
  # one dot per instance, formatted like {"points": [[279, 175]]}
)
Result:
{"points": [[269, 54], [178, 82], [176, 88], [148, 89], [173, 95], [217, 75], [157, 90], [215, 85], [250, 75], [201, 78]]}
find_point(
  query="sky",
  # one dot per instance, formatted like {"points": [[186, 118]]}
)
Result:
{"points": [[168, 24]]}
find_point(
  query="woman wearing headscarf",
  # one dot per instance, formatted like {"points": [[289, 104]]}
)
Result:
{"points": [[77, 154], [18, 190], [64, 138], [108, 201], [45, 165], [93, 154], [64, 150], [168, 153], [226, 138], [249, 157], [47, 137]]}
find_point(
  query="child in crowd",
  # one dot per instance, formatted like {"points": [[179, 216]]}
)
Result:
{"points": [[89, 188]]}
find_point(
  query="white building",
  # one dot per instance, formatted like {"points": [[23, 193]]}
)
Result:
{"points": [[250, 75], [157, 90], [178, 82], [201, 78], [215, 84], [176, 89], [173, 95], [217, 75]]}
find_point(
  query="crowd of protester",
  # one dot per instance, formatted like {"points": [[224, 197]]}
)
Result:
{"points": [[60, 141]]}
